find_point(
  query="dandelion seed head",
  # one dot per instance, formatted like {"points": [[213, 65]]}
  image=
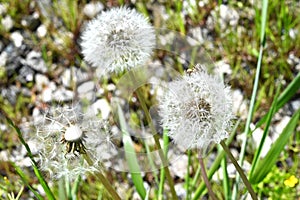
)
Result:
{"points": [[196, 109], [63, 135], [118, 39]]}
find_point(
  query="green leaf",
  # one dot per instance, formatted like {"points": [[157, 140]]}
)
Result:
{"points": [[131, 156], [265, 165]]}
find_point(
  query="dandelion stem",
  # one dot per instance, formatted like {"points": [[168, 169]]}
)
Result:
{"points": [[240, 171], [156, 138], [103, 180], [205, 178]]}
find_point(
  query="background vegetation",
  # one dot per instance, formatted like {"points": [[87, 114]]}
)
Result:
{"points": [[238, 45]]}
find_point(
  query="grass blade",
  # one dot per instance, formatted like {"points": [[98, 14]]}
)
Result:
{"points": [[254, 92], [44, 184], [285, 96], [265, 133], [265, 165], [162, 172], [187, 176], [37, 172], [61, 189], [226, 183], [75, 187], [25, 181], [131, 156]]}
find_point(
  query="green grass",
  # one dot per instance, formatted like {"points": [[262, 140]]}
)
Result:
{"points": [[257, 52]]}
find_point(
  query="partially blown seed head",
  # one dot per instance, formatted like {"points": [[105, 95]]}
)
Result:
{"points": [[63, 135]]}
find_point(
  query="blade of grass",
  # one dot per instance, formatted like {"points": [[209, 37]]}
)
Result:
{"points": [[226, 185], [153, 167], [25, 181], [61, 189], [265, 133], [44, 184], [19, 193], [187, 176], [253, 96], [37, 172], [75, 187], [162, 172], [161, 184], [131, 156], [151, 162], [196, 177], [265, 165], [285, 96], [68, 188]]}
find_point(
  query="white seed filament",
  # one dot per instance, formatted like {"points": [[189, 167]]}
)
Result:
{"points": [[73, 133]]}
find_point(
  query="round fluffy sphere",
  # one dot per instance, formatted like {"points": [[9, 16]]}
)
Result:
{"points": [[118, 39], [196, 109]]}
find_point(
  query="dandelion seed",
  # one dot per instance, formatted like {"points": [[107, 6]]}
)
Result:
{"points": [[118, 39], [196, 109], [63, 135]]}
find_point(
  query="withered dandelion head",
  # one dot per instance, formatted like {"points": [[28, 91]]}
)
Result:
{"points": [[64, 134]]}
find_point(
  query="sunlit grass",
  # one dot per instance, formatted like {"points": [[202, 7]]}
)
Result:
{"points": [[238, 46]]}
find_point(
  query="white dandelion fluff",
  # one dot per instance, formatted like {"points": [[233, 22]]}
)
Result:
{"points": [[118, 39], [63, 135], [196, 109]]}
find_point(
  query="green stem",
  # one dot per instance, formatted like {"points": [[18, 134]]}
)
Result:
{"points": [[254, 90], [162, 173], [215, 166], [161, 184], [240, 171], [156, 139], [103, 180], [187, 177], [205, 178], [226, 185]]}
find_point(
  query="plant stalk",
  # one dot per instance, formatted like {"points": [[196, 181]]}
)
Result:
{"points": [[205, 178], [240, 171], [103, 180], [156, 139]]}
